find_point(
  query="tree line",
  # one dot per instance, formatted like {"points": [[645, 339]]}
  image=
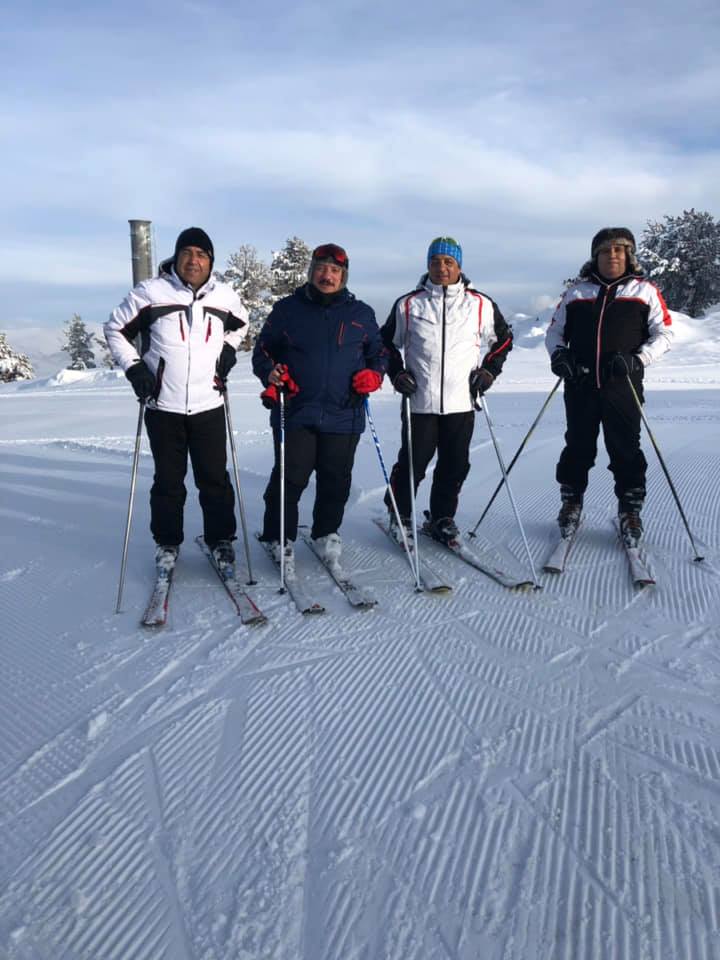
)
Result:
{"points": [[681, 254]]}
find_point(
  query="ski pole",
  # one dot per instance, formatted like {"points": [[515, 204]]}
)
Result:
{"points": [[509, 490], [411, 478], [131, 501], [236, 471], [498, 488], [697, 558], [393, 501], [281, 393]]}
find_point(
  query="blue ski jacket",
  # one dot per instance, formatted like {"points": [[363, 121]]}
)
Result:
{"points": [[324, 341]]}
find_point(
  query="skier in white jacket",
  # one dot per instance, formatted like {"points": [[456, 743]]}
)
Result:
{"points": [[187, 326], [436, 335]]}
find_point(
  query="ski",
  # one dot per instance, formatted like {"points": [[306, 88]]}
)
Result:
{"points": [[356, 596], [555, 563], [481, 562], [247, 609], [637, 561], [429, 579], [304, 603], [157, 609]]}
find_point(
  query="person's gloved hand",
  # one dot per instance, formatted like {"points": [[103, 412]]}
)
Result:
{"points": [[480, 381], [285, 381], [623, 364], [142, 380], [405, 383], [226, 361], [269, 396], [366, 381], [279, 379], [562, 364]]}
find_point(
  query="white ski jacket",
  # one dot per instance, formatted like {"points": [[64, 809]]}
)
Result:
{"points": [[181, 334], [441, 332]]}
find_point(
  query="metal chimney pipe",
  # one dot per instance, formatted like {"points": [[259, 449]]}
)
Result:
{"points": [[141, 250]]}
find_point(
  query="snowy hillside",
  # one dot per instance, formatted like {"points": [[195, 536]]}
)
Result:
{"points": [[43, 346], [484, 775]]}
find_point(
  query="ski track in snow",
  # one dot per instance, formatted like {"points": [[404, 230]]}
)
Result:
{"points": [[492, 773]]}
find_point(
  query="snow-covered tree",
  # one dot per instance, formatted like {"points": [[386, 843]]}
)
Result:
{"points": [[251, 278], [106, 358], [13, 366], [79, 344], [682, 256], [289, 267]]}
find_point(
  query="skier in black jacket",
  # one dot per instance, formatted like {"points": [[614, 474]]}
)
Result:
{"points": [[610, 324]]}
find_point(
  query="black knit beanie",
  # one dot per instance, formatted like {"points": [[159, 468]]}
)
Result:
{"points": [[195, 237]]}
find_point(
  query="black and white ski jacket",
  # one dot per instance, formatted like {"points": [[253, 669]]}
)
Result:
{"points": [[598, 317], [181, 334], [442, 332]]}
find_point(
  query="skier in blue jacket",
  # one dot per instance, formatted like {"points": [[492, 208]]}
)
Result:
{"points": [[322, 346]]}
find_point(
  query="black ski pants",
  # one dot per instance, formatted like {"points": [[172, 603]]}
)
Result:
{"points": [[613, 408], [448, 434], [331, 456], [172, 437]]}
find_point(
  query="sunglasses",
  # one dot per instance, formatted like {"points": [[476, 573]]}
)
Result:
{"points": [[331, 251]]}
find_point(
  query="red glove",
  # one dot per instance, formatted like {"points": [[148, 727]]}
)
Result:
{"points": [[366, 381], [269, 396], [288, 382]]}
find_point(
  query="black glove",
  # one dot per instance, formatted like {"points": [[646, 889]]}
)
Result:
{"points": [[480, 381], [226, 361], [562, 364], [142, 380], [623, 364], [405, 383]]}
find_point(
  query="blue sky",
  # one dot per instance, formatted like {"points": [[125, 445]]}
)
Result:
{"points": [[517, 130]]}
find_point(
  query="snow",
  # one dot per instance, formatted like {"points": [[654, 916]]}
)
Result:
{"points": [[489, 774]]}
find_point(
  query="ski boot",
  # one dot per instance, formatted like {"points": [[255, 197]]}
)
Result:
{"points": [[223, 553], [570, 511], [165, 559], [289, 560], [444, 530], [631, 528], [329, 548]]}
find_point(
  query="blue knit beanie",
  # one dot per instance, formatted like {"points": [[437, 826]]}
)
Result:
{"points": [[445, 245]]}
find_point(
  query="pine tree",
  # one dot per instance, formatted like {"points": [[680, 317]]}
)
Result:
{"points": [[78, 344], [106, 358], [682, 256], [289, 267], [13, 366], [247, 274]]}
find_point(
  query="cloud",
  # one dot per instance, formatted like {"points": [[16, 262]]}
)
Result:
{"points": [[522, 131]]}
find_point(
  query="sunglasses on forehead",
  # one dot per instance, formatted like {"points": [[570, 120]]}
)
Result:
{"points": [[331, 251]]}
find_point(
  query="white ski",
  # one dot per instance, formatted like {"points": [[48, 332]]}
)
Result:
{"points": [[637, 561], [482, 562], [157, 609], [356, 596], [304, 603], [247, 609], [429, 580]]}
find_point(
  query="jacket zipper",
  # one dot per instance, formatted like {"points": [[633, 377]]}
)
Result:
{"points": [[189, 359], [599, 332], [442, 356]]}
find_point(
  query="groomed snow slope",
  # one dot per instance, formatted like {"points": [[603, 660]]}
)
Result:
{"points": [[489, 774]]}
